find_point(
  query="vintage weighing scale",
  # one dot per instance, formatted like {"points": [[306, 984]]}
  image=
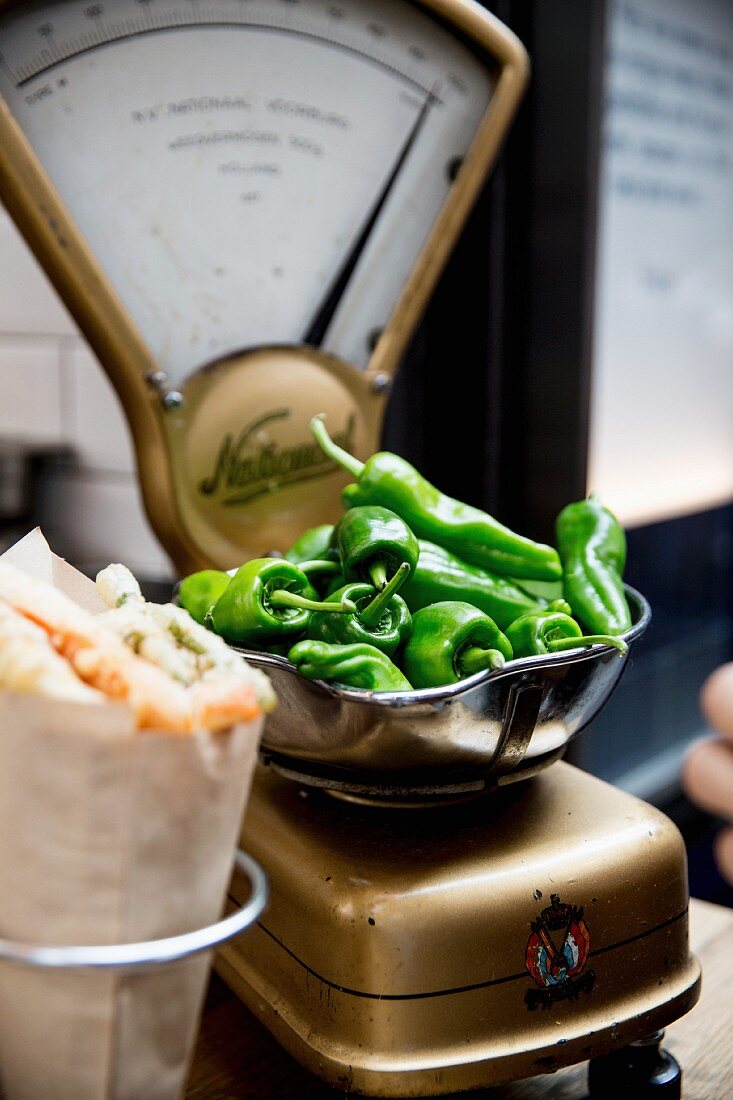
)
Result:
{"points": [[246, 204]]}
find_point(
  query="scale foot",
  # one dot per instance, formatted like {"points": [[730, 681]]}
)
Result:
{"points": [[640, 1071]]}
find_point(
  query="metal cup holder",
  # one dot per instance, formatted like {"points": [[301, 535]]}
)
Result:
{"points": [[149, 953]]}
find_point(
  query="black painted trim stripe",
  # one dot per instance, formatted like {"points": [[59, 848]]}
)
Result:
{"points": [[639, 935], [458, 989]]}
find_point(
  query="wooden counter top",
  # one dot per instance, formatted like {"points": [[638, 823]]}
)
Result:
{"points": [[237, 1057]]}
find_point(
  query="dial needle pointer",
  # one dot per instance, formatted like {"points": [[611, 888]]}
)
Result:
{"points": [[326, 309]]}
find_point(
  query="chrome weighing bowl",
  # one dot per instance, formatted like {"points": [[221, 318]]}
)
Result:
{"points": [[488, 730]]}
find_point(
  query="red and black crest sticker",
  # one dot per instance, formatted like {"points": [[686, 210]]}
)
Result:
{"points": [[557, 951]]}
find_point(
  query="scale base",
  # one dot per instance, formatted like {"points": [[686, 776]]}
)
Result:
{"points": [[418, 952]]}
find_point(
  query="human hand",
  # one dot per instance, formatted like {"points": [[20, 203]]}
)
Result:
{"points": [[707, 773]]}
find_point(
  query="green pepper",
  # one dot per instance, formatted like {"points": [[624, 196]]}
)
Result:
{"points": [[200, 591], [440, 576], [592, 547], [266, 602], [312, 570], [542, 591], [560, 605], [372, 543], [381, 619], [313, 545], [553, 632], [452, 640], [323, 571], [315, 555], [476, 537], [359, 666]]}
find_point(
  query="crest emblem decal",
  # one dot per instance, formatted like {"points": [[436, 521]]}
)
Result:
{"points": [[556, 954]]}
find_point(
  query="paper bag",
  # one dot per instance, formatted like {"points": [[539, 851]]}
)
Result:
{"points": [[107, 836]]}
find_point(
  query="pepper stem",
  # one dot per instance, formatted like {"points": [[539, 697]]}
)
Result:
{"points": [[372, 613], [378, 574], [332, 450], [474, 659], [558, 645], [282, 598], [319, 565]]}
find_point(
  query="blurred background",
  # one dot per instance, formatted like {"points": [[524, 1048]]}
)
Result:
{"points": [[581, 338]]}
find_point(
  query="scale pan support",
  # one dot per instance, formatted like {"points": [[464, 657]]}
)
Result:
{"points": [[246, 207]]}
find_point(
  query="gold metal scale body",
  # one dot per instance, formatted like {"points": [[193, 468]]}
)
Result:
{"points": [[392, 960]]}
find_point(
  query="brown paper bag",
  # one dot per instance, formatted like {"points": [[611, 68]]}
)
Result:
{"points": [[107, 836]]}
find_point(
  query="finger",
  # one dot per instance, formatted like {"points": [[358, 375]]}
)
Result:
{"points": [[716, 700], [707, 776], [724, 854]]}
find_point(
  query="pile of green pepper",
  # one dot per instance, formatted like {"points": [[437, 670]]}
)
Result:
{"points": [[413, 589]]}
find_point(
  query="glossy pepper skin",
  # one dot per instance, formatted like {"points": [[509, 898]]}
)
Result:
{"points": [[358, 666], [440, 576], [372, 543], [592, 547], [268, 600], [386, 479], [553, 632], [314, 553], [452, 640], [381, 619], [313, 545], [200, 591], [321, 574]]}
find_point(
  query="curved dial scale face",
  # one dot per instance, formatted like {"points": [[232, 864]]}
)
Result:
{"points": [[247, 172]]}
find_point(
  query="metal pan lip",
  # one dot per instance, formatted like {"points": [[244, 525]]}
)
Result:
{"points": [[394, 700]]}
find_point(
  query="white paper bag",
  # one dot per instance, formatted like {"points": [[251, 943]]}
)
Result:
{"points": [[107, 835]]}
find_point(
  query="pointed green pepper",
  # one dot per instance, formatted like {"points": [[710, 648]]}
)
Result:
{"points": [[450, 641], [592, 546], [386, 479], [381, 619], [359, 666], [440, 576], [268, 600], [553, 632], [372, 543], [313, 545], [200, 591]]}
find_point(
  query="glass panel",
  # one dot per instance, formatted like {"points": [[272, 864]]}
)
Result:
{"points": [[661, 438]]}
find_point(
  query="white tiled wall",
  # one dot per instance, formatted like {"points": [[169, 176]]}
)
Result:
{"points": [[30, 388], [52, 390], [28, 303]]}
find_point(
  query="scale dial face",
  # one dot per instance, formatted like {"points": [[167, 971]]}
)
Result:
{"points": [[228, 161], [246, 204]]}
